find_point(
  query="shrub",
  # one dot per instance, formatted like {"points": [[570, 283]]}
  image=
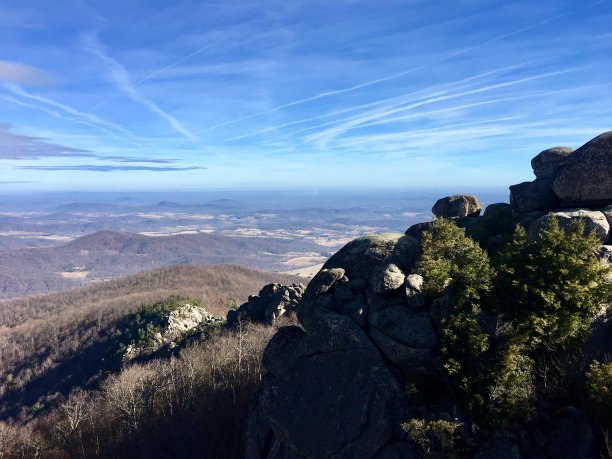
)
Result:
{"points": [[552, 286], [599, 388], [512, 390], [454, 264], [435, 438]]}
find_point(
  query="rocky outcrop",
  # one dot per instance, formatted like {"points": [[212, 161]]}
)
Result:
{"points": [[178, 324], [272, 302], [331, 389], [585, 177], [457, 206]]}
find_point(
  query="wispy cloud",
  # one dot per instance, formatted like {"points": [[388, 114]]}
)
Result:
{"points": [[16, 72], [111, 168], [88, 119], [120, 76], [327, 135], [395, 76], [16, 146]]}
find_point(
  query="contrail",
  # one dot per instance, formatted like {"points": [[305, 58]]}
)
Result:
{"points": [[331, 133], [57, 114], [168, 67], [98, 122], [396, 75], [371, 104], [121, 78]]}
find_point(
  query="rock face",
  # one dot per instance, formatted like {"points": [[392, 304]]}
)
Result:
{"points": [[272, 302], [457, 206], [546, 163], [327, 393], [330, 390], [585, 177]]}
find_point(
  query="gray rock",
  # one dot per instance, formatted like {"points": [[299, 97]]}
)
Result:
{"points": [[361, 256], [315, 302], [546, 163], [594, 221], [536, 196], [413, 329], [417, 229], [469, 224], [407, 359], [607, 211], [328, 393], [585, 177], [272, 302], [457, 206], [386, 279], [415, 298], [414, 282]]}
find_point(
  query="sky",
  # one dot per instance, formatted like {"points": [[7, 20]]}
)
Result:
{"points": [[295, 94]]}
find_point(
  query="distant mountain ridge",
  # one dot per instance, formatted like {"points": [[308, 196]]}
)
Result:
{"points": [[108, 254]]}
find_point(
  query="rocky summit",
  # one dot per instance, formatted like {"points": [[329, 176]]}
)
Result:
{"points": [[333, 386]]}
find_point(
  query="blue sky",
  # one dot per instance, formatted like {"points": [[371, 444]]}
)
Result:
{"points": [[141, 95]]}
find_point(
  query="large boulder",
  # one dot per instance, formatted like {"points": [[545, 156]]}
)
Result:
{"points": [[594, 221], [461, 205], [585, 177], [546, 163], [536, 196], [326, 394]]}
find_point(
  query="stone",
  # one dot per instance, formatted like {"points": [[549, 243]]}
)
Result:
{"points": [[413, 329], [386, 279], [316, 300], [407, 359], [415, 298], [497, 220], [272, 302], [418, 229], [546, 163], [457, 206], [536, 196], [414, 282], [327, 393], [585, 177], [594, 221], [361, 256], [607, 211]]}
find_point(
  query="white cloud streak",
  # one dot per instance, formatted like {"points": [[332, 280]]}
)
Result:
{"points": [[401, 74], [120, 76]]}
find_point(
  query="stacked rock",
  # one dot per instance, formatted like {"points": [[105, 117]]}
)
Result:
{"points": [[272, 302], [569, 185]]}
